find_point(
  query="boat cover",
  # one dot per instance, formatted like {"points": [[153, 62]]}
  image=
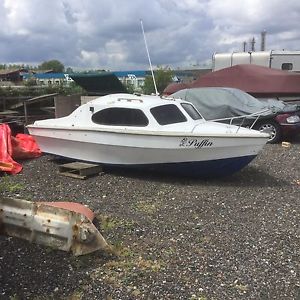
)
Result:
{"points": [[99, 83], [175, 87], [253, 79], [218, 103]]}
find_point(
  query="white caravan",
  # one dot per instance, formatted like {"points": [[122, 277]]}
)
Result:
{"points": [[275, 59]]}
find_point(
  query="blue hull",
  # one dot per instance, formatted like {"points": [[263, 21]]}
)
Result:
{"points": [[202, 169]]}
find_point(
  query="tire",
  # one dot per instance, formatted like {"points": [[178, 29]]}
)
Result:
{"points": [[272, 128]]}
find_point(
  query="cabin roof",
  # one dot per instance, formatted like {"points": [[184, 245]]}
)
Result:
{"points": [[131, 100]]}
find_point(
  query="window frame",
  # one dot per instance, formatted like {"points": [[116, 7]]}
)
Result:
{"points": [[141, 116], [289, 67], [195, 111], [162, 120]]}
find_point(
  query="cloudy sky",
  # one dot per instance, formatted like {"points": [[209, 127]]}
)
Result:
{"points": [[99, 34]]}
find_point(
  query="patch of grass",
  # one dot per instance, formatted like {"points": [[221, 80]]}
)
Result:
{"points": [[204, 240], [119, 250], [6, 186], [198, 297], [241, 287], [145, 207], [123, 270], [76, 295], [109, 223], [42, 298], [169, 252]]}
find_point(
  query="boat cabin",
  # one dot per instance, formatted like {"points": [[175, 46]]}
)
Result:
{"points": [[134, 111]]}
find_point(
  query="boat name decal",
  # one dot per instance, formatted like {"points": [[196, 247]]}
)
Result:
{"points": [[195, 143]]}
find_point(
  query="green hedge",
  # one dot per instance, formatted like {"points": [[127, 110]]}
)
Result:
{"points": [[33, 91]]}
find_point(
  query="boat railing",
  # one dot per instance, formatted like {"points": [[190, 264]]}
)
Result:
{"points": [[255, 115]]}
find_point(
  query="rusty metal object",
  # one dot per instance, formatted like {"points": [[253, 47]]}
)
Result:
{"points": [[51, 226]]}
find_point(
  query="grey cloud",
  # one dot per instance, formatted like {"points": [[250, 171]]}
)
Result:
{"points": [[103, 34]]}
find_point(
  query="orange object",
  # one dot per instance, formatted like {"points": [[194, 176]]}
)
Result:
{"points": [[7, 164], [20, 147], [24, 147]]}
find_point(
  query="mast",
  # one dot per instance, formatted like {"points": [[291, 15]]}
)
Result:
{"points": [[156, 92]]}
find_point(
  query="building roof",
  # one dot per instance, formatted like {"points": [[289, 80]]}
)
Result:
{"points": [[8, 72], [137, 73], [45, 76], [10, 75]]}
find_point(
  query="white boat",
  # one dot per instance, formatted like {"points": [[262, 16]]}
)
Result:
{"points": [[149, 132]]}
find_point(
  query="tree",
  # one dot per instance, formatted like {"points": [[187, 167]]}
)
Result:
{"points": [[163, 76], [54, 65], [130, 87], [69, 70], [30, 82]]}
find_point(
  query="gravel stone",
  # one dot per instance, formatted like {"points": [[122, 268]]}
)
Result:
{"points": [[173, 238]]}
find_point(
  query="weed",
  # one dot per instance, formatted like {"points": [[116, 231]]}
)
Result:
{"points": [[199, 297], [6, 186], [148, 208], [204, 240], [77, 295], [138, 263], [109, 223], [42, 298], [242, 288]]}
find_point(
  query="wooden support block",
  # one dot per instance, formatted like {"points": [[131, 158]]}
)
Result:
{"points": [[286, 144], [79, 170]]}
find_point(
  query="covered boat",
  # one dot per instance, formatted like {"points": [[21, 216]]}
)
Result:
{"points": [[258, 81], [149, 132]]}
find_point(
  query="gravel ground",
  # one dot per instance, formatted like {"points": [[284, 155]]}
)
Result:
{"points": [[231, 238]]}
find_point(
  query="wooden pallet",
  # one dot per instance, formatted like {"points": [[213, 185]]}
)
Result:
{"points": [[79, 170]]}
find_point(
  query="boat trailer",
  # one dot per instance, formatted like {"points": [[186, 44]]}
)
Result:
{"points": [[60, 225]]}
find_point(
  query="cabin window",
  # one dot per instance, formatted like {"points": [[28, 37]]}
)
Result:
{"points": [[287, 66], [167, 114], [192, 112], [119, 116]]}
